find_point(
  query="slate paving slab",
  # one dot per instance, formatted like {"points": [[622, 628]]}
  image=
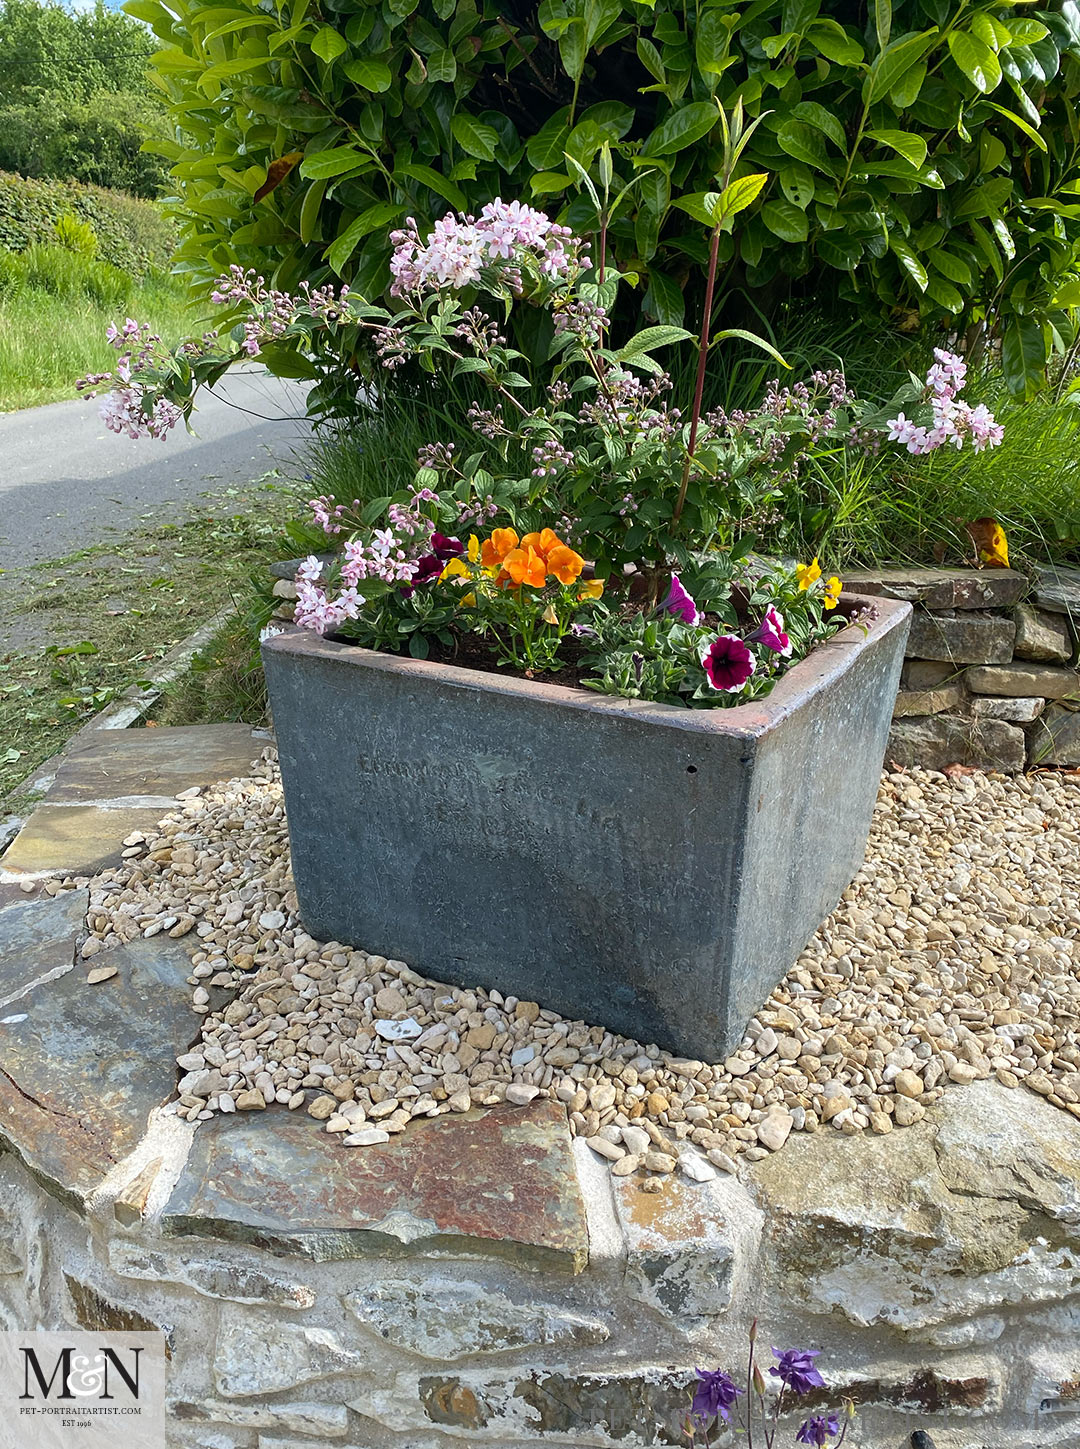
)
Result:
{"points": [[76, 839], [81, 1066], [497, 1184], [115, 764], [115, 781], [37, 941]]}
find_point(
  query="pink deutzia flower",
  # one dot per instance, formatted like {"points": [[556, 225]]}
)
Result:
{"points": [[679, 603], [728, 663], [770, 633]]}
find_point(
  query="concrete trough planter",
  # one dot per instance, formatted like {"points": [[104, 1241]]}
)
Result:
{"points": [[651, 869]]}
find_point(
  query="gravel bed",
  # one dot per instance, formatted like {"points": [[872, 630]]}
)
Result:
{"points": [[953, 956]]}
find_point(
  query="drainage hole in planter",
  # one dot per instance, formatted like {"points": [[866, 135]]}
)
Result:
{"points": [[691, 769]]}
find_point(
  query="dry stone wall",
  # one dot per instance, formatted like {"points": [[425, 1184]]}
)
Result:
{"points": [[990, 678]]}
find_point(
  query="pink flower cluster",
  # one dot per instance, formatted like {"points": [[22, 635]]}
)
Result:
{"points": [[272, 312], [315, 610], [124, 409], [460, 247], [953, 419]]}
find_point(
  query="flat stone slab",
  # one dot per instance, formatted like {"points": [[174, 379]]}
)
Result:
{"points": [[37, 941], [500, 1184], [942, 588], [1058, 589], [76, 839], [81, 1066], [115, 764]]}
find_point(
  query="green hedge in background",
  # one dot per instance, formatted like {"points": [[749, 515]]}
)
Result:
{"points": [[924, 155], [131, 234]]}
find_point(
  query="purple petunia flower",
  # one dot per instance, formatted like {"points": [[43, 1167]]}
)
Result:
{"points": [[770, 633], [714, 1394], [818, 1430], [679, 603], [796, 1369], [728, 663]]}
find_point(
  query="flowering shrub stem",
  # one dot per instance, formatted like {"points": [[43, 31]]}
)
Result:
{"points": [[699, 385]]}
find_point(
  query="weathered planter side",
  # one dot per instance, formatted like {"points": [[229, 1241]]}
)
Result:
{"points": [[651, 869]]}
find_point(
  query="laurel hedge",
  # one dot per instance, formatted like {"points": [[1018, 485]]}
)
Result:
{"points": [[133, 235], [920, 152]]}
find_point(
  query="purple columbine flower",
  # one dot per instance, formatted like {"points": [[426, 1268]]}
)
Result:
{"points": [[770, 633], [679, 603], [728, 663], [796, 1369], [714, 1394], [818, 1430]]}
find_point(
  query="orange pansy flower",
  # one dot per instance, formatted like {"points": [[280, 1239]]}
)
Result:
{"points": [[495, 548], [564, 563], [525, 566], [543, 542]]}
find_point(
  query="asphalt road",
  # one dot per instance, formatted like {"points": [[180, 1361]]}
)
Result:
{"points": [[66, 482]]}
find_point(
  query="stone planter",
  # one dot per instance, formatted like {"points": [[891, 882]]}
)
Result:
{"points": [[651, 869]]}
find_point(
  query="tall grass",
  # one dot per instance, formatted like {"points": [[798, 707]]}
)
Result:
{"points": [[53, 332]]}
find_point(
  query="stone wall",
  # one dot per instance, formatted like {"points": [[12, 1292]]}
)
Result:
{"points": [[937, 1269], [991, 676]]}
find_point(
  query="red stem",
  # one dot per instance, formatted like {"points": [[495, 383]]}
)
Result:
{"points": [[699, 387]]}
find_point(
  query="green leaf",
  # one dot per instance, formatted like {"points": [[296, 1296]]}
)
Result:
{"points": [[805, 143], [333, 162], [474, 137], [649, 56], [329, 44], [373, 75], [797, 184], [834, 42], [953, 267], [1023, 355], [893, 63], [944, 294], [652, 337], [786, 221], [309, 210], [701, 205], [373, 219], [681, 128], [905, 143], [439, 184], [976, 60], [882, 22], [823, 120], [750, 337], [664, 298], [442, 66], [908, 261], [712, 43], [739, 195], [1021, 124], [547, 183], [905, 92], [1022, 30]]}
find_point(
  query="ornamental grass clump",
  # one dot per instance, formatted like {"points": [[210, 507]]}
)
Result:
{"points": [[598, 526]]}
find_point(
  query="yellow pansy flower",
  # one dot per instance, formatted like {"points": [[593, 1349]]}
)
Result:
{"points": [[469, 601], [549, 615], [807, 573], [453, 568], [592, 590], [472, 553], [832, 592]]}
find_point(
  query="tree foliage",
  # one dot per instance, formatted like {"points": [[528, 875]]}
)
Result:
{"points": [[75, 102], [923, 156]]}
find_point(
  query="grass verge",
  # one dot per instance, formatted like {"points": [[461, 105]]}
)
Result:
{"points": [[48, 341], [100, 619]]}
